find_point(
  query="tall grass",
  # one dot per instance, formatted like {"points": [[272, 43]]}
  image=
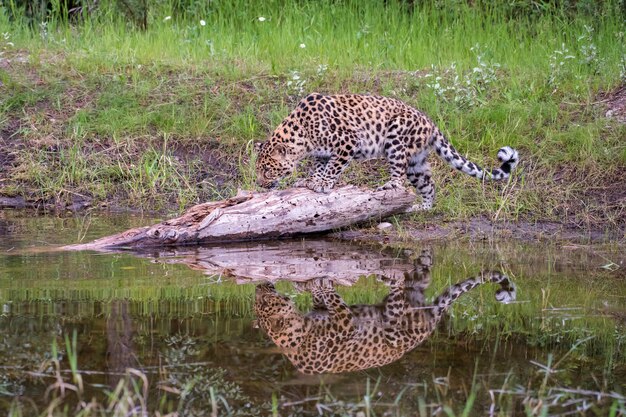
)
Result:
{"points": [[278, 36]]}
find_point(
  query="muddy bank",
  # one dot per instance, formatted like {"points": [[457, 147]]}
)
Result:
{"points": [[481, 228], [97, 142]]}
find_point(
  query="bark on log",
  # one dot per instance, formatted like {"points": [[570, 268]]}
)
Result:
{"points": [[294, 260], [254, 216]]}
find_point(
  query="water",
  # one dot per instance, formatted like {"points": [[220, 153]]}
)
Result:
{"points": [[197, 324]]}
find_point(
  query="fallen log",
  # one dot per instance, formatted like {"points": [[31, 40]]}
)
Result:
{"points": [[255, 216], [296, 260]]}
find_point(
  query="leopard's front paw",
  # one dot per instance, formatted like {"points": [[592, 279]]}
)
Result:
{"points": [[301, 286], [393, 282], [321, 283], [323, 187], [418, 207], [313, 284], [302, 183], [311, 184], [390, 185]]}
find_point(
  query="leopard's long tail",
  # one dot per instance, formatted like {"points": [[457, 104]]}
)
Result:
{"points": [[507, 156], [505, 294]]}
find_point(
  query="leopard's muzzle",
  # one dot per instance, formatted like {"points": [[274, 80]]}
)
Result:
{"points": [[270, 185]]}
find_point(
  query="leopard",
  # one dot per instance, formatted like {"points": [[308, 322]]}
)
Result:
{"points": [[336, 129], [336, 338]]}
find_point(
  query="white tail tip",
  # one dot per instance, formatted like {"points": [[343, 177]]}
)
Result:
{"points": [[508, 154]]}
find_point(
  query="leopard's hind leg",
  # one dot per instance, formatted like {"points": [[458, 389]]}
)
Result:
{"points": [[420, 176], [416, 281]]}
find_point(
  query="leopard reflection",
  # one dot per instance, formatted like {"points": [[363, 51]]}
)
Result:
{"points": [[335, 337]]}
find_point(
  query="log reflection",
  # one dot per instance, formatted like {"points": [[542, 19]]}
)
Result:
{"points": [[296, 260]]}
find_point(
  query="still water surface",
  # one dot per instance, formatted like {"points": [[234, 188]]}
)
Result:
{"points": [[204, 323]]}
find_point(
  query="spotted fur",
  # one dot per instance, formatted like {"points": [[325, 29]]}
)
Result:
{"points": [[335, 337], [336, 129]]}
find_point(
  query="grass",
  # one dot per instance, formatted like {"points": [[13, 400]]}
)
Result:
{"points": [[130, 397], [161, 119], [198, 389]]}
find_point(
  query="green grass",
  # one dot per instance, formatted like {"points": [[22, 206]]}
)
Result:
{"points": [[161, 118]]}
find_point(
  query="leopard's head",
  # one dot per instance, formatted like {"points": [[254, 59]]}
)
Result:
{"points": [[278, 317], [274, 161]]}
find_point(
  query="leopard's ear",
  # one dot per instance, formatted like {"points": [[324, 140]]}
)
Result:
{"points": [[258, 146]]}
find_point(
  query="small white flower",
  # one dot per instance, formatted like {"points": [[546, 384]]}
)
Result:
{"points": [[167, 18], [202, 23], [321, 69], [261, 19], [302, 46]]}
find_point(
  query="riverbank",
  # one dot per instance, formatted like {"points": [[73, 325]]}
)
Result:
{"points": [[98, 116]]}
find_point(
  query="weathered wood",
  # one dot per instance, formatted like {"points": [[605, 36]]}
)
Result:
{"points": [[254, 216], [293, 260]]}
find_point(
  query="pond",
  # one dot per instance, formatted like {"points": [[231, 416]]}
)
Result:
{"points": [[306, 327]]}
